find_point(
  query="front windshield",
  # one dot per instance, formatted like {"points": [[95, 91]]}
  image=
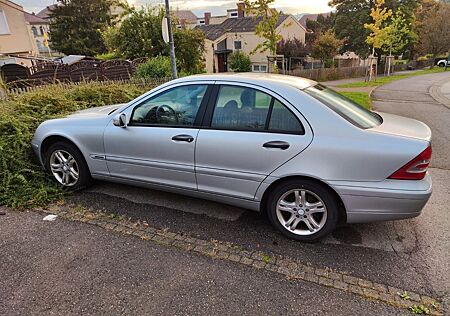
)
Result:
{"points": [[345, 107]]}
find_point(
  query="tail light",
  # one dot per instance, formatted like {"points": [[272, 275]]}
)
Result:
{"points": [[416, 168]]}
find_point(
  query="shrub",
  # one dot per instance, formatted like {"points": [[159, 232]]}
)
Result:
{"points": [[22, 182], [240, 62], [157, 67]]}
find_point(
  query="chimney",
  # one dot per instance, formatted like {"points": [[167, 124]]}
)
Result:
{"points": [[241, 9], [207, 17]]}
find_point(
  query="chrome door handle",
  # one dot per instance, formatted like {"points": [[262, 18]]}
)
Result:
{"points": [[183, 138], [277, 144]]}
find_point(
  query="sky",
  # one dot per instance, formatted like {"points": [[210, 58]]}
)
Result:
{"points": [[217, 7]]}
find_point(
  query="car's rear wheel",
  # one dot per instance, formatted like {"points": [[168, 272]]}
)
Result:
{"points": [[303, 210], [67, 166]]}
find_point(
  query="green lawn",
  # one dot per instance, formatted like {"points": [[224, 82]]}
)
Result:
{"points": [[383, 80], [362, 98]]}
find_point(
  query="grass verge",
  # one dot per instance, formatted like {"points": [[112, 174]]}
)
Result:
{"points": [[383, 80]]}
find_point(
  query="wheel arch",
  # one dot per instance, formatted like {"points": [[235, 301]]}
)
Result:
{"points": [[52, 139], [342, 213]]}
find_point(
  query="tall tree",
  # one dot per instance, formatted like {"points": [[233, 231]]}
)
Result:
{"points": [[76, 25], [379, 15], [320, 25], [399, 34], [434, 35]]}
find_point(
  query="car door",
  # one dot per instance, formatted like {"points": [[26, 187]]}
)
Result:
{"points": [[248, 133], [157, 145]]}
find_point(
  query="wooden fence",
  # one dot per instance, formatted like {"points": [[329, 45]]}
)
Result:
{"points": [[325, 74]]}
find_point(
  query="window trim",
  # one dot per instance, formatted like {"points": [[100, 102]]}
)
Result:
{"points": [[240, 44], [198, 118], [208, 115]]}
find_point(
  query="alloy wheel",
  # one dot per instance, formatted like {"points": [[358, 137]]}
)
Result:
{"points": [[64, 168]]}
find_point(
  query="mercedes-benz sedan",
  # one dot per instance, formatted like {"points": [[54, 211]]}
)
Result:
{"points": [[307, 156]]}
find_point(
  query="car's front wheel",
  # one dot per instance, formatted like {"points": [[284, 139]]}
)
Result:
{"points": [[67, 166], [303, 210]]}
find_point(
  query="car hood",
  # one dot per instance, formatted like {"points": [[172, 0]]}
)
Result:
{"points": [[403, 126], [100, 111]]}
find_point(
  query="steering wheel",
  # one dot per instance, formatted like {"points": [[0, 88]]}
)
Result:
{"points": [[165, 112]]}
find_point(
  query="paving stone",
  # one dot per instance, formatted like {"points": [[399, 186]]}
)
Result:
{"points": [[246, 260], [355, 289], [371, 293], [335, 276], [340, 285], [311, 277], [379, 287], [364, 283], [349, 279], [321, 272], [258, 264], [325, 281], [234, 258]]}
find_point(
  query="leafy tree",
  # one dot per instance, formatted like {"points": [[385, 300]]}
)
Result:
{"points": [[326, 47], [434, 35], [352, 15], [266, 28], [139, 35], [379, 14], [292, 48], [240, 61], [318, 26], [76, 25], [190, 46], [399, 34]]}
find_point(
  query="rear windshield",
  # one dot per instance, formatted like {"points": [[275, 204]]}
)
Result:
{"points": [[345, 107]]}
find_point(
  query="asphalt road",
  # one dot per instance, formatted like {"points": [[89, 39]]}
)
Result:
{"points": [[69, 268]]}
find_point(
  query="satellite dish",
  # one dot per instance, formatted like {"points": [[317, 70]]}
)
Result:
{"points": [[165, 30]]}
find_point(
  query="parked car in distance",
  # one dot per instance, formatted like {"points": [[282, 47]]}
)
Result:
{"points": [[295, 149], [441, 62]]}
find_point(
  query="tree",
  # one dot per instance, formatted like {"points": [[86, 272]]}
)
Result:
{"points": [[267, 24], [240, 61], [399, 34], [379, 14], [292, 48], [434, 35], [318, 26], [326, 46], [139, 35], [352, 15], [76, 25]]}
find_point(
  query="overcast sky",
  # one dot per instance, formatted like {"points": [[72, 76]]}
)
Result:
{"points": [[217, 7]]}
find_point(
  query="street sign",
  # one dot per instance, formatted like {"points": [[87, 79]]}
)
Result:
{"points": [[165, 30]]}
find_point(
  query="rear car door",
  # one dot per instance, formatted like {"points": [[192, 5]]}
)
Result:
{"points": [[247, 133], [157, 145]]}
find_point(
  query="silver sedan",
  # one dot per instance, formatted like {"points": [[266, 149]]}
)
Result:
{"points": [[307, 156]]}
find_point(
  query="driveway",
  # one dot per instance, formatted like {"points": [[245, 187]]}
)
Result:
{"points": [[412, 254]]}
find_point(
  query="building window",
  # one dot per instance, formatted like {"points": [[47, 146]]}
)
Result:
{"points": [[34, 30], [237, 45], [201, 22], [41, 29], [234, 14], [4, 28], [259, 68]]}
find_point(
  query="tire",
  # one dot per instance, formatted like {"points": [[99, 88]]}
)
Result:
{"points": [[71, 163], [323, 220], [441, 64]]}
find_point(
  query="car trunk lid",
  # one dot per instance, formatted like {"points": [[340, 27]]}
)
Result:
{"points": [[402, 126]]}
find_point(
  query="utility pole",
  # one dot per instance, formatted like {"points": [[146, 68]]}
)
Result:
{"points": [[171, 44]]}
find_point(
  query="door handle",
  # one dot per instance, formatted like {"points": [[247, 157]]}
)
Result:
{"points": [[183, 138], [277, 144]]}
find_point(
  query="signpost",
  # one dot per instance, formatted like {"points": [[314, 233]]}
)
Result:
{"points": [[168, 38]]}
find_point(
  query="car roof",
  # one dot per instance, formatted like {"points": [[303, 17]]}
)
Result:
{"points": [[262, 79]]}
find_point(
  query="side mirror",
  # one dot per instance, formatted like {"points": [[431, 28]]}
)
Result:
{"points": [[120, 120]]}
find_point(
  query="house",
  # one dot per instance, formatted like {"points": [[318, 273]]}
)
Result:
{"points": [[39, 29], [312, 17], [15, 31], [237, 32]]}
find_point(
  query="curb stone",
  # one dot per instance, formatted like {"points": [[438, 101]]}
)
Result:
{"points": [[288, 267], [436, 94]]}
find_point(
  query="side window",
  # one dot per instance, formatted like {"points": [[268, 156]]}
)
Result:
{"points": [[283, 120], [177, 106], [241, 108]]}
